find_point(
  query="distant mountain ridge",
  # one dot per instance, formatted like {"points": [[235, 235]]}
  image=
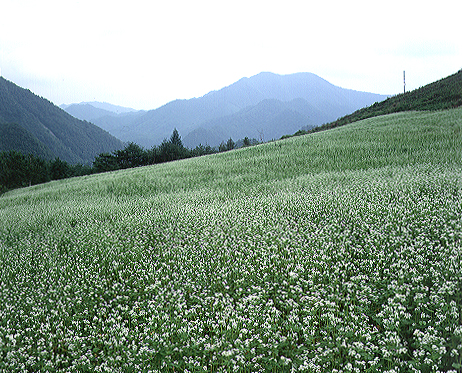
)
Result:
{"points": [[224, 112], [116, 109], [90, 111], [47, 129], [87, 111], [269, 119]]}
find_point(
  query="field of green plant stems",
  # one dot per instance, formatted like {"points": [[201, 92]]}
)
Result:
{"points": [[338, 251]]}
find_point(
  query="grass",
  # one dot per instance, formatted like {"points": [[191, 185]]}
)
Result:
{"points": [[440, 95], [337, 251]]}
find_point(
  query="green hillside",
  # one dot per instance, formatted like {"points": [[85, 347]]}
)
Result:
{"points": [[15, 137], [64, 136], [442, 94], [333, 251]]}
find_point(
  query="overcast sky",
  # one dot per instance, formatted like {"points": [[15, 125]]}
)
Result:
{"points": [[143, 54]]}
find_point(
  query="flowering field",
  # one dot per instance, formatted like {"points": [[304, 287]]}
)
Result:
{"points": [[337, 251]]}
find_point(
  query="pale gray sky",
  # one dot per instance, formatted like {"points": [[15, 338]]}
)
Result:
{"points": [[143, 54]]}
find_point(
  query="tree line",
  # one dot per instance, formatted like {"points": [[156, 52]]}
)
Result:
{"points": [[18, 170]]}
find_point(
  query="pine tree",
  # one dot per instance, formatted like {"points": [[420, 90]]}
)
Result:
{"points": [[230, 144], [175, 139]]}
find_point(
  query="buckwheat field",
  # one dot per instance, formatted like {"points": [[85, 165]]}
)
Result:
{"points": [[338, 251]]}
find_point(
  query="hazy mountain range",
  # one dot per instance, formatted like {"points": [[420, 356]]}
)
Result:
{"points": [[92, 110], [31, 124], [264, 106]]}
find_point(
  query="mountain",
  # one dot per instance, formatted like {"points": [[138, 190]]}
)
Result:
{"points": [[90, 111], [269, 119], [115, 109], [49, 128], [443, 94], [86, 111], [324, 103], [15, 137]]}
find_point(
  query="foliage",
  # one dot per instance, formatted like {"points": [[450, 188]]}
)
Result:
{"points": [[59, 170], [230, 144], [331, 252], [171, 151], [202, 150], [15, 137], [18, 170], [131, 156], [175, 139], [134, 156], [105, 162]]}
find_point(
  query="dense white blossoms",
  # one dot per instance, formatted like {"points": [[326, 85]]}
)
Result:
{"points": [[297, 256]]}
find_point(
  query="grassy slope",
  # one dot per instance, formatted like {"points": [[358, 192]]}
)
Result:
{"points": [[398, 139], [346, 240], [442, 94]]}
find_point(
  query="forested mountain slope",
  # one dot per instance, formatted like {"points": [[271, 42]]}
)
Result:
{"points": [[64, 136], [15, 137]]}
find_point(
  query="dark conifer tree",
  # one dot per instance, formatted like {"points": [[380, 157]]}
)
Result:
{"points": [[175, 139], [230, 144]]}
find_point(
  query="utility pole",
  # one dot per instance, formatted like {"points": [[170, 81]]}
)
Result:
{"points": [[404, 80]]}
